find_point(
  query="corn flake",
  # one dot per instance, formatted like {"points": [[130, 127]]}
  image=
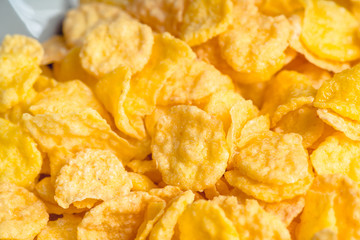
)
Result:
{"points": [[161, 15], [195, 221], [251, 220], [240, 113], [220, 105], [78, 22], [193, 84], [122, 42], [68, 97], [297, 44], [329, 31], [21, 45], [140, 182], [340, 94], [46, 191], [278, 7], [164, 228], [180, 161], [70, 68], [54, 50], [22, 214], [77, 131], [20, 159], [268, 192], [153, 212], [18, 74], [94, 174], [204, 20], [303, 121], [273, 158], [166, 193], [286, 210], [287, 92], [331, 204], [350, 128], [252, 129], [119, 218], [256, 44], [210, 52], [62, 228], [145, 167], [337, 155], [315, 74]]}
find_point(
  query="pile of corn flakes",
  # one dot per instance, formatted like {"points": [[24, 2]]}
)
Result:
{"points": [[179, 119]]}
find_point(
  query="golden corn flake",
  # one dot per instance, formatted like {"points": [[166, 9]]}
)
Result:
{"points": [[256, 44], [204, 19], [161, 15], [21, 45], [44, 82], [220, 188], [286, 210], [70, 68], [332, 205], [164, 228], [180, 161], [78, 22], [123, 42], [54, 50], [166, 193], [287, 92], [220, 105], [153, 212], [193, 84], [95, 174], [46, 191], [145, 167], [340, 94], [273, 158], [278, 7], [112, 90], [297, 44], [337, 154], [129, 100], [56, 209], [20, 159], [325, 234], [351, 128], [253, 92], [268, 192], [195, 221], [140, 182], [240, 113], [63, 228], [252, 129], [86, 203], [119, 218], [22, 214], [152, 119], [330, 31], [251, 220], [14, 114], [18, 73], [315, 74], [303, 121], [210, 52], [77, 131], [67, 97]]}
